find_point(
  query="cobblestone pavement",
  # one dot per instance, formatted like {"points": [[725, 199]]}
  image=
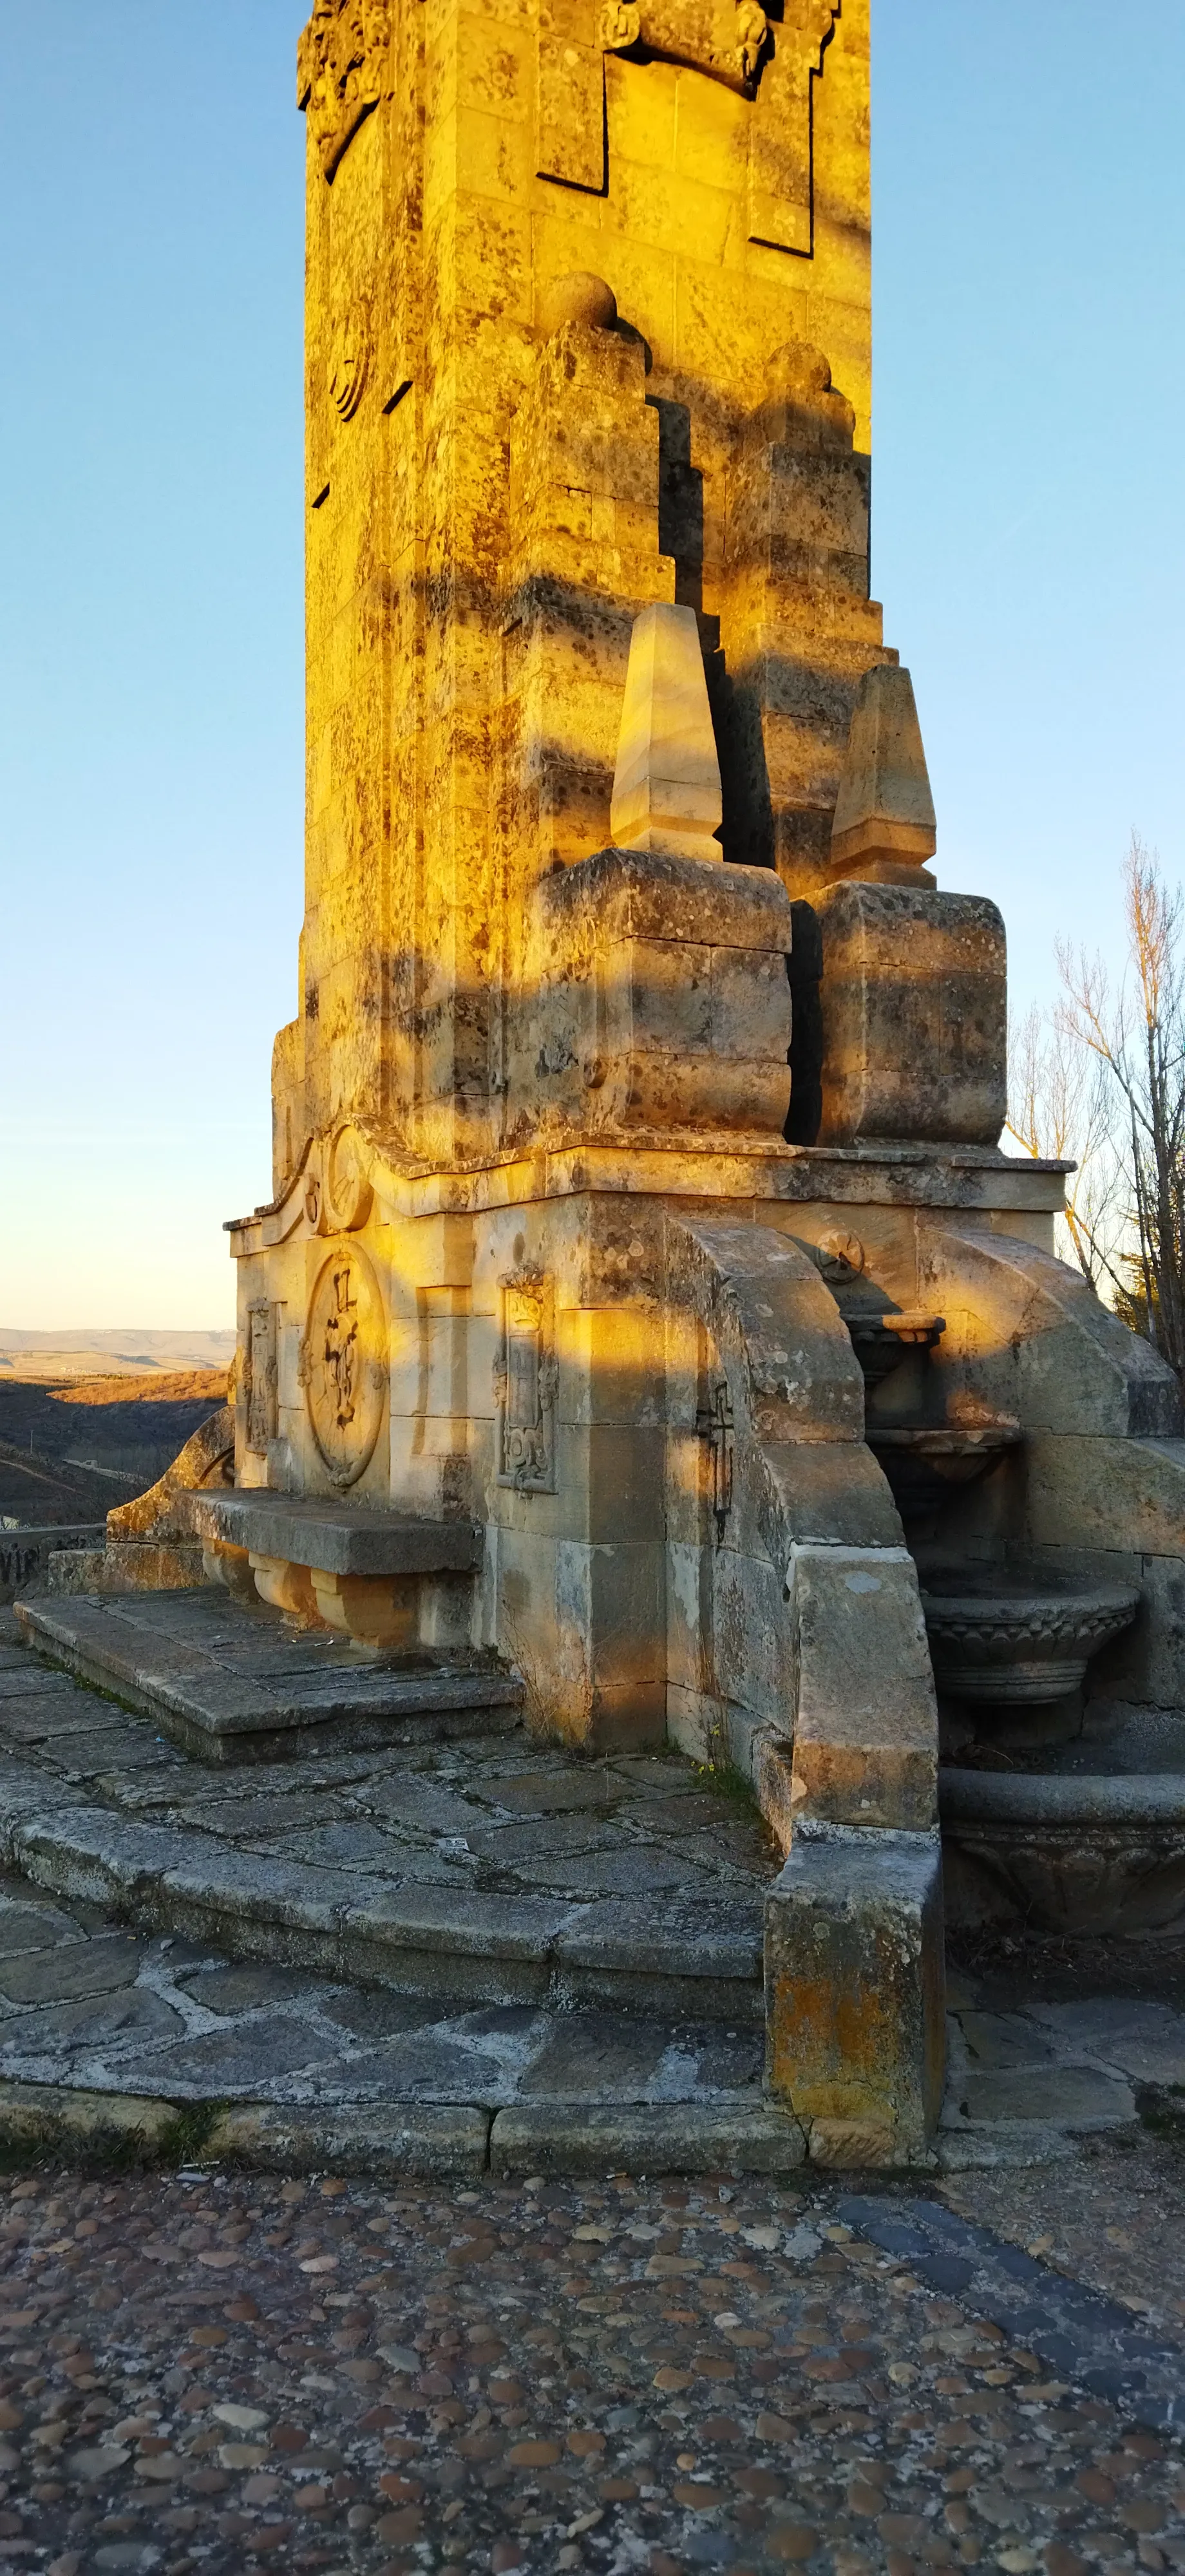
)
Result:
{"points": [[228, 2372]]}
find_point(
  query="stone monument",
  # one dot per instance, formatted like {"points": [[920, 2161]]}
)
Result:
{"points": [[640, 1269]]}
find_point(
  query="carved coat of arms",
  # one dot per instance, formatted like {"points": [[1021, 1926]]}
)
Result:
{"points": [[339, 70]]}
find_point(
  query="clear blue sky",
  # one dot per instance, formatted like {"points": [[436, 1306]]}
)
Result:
{"points": [[1028, 548]]}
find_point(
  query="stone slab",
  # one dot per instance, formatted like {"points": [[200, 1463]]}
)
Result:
{"points": [[1145, 2041], [25, 1929], [70, 1971], [26, 1681], [334, 1537], [1071, 2097]]}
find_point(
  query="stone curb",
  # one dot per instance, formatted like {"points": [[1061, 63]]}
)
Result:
{"points": [[1084, 2336], [660, 2138], [436, 2140], [108, 2126], [449, 2140]]}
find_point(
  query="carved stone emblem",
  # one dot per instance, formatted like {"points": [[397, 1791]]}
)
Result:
{"points": [[621, 26], [343, 1362], [725, 38], [525, 1383], [339, 69]]}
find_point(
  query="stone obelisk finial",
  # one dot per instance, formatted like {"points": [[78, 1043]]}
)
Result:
{"points": [[884, 826], [666, 786]]}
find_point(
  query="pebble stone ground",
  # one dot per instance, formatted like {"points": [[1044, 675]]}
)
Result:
{"points": [[221, 2372]]}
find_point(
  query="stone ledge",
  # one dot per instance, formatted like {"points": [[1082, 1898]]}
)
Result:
{"points": [[332, 1536], [1046, 1798]]}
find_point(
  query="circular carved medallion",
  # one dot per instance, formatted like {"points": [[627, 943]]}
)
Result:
{"points": [[344, 1362], [841, 1256], [349, 1186]]}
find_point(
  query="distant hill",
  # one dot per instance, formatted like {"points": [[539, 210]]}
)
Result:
{"points": [[128, 1351], [68, 1451]]}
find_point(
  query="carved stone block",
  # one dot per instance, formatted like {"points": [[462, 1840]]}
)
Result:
{"points": [[261, 1375], [662, 1004], [914, 1016]]}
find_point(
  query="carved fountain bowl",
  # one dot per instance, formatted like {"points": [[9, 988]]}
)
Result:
{"points": [[1003, 1640], [922, 1465], [882, 1341]]}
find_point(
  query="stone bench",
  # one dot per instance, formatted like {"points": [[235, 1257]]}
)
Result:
{"points": [[362, 1572]]}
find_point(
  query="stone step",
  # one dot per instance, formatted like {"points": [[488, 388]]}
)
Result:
{"points": [[490, 1869], [454, 1943], [113, 2039], [239, 1683]]}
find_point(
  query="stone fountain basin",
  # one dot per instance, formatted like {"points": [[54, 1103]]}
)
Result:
{"points": [[923, 1465], [1092, 1843], [882, 1340], [1002, 1640]]}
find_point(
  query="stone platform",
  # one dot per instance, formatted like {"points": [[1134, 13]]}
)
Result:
{"points": [[237, 1682], [94, 2019]]}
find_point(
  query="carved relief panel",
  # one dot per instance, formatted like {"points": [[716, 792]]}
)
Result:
{"points": [[261, 1374], [525, 1383]]}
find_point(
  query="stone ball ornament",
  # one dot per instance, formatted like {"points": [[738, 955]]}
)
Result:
{"points": [[579, 297]]}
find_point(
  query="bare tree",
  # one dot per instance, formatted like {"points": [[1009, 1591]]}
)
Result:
{"points": [[1134, 1033], [1060, 1110]]}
